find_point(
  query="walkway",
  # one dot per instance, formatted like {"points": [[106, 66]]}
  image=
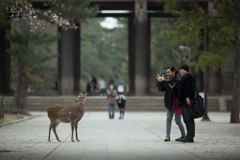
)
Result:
{"points": [[139, 136]]}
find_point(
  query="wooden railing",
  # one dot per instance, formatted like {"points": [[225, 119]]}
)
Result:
{"points": [[2, 103], [227, 83]]}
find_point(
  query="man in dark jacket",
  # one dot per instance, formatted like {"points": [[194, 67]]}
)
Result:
{"points": [[185, 94]]}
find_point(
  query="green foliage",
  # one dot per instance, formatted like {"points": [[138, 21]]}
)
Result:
{"points": [[4, 16], [103, 51], [163, 48], [23, 49], [26, 36], [224, 31], [76, 9], [25, 54]]}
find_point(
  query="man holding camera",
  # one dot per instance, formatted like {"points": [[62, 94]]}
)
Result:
{"points": [[186, 93]]}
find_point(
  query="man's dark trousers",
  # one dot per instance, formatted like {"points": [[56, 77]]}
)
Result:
{"points": [[190, 124]]}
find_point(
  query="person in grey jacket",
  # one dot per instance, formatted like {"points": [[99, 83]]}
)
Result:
{"points": [[111, 94], [170, 101]]}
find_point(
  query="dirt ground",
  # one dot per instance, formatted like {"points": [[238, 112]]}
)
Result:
{"points": [[8, 118]]}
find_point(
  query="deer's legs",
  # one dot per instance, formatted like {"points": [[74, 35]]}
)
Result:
{"points": [[50, 127], [54, 130], [76, 125], [72, 128]]}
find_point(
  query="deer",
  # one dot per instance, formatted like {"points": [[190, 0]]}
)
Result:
{"points": [[67, 114]]}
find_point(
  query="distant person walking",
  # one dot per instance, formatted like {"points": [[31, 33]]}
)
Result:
{"points": [[121, 101], [111, 94], [116, 82], [94, 83], [89, 87], [102, 86], [56, 85], [185, 94], [111, 81], [171, 102]]}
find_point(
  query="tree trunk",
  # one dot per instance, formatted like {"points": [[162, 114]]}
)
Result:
{"points": [[236, 79], [20, 95], [5, 59]]}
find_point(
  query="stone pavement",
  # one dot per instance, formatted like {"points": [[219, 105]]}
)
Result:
{"points": [[139, 136]]}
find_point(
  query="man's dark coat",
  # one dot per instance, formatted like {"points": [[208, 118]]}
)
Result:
{"points": [[185, 89]]}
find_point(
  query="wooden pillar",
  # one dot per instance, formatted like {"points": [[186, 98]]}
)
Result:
{"points": [[5, 61], [77, 59], [59, 62], [131, 55], [66, 64], [69, 62], [148, 58], [142, 54]]}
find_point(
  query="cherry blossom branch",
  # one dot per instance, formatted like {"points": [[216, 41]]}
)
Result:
{"points": [[24, 10]]}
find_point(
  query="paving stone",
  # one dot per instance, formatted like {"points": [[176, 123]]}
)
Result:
{"points": [[138, 137]]}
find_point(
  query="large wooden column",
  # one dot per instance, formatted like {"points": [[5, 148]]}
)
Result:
{"points": [[69, 62], [142, 54], [77, 59], [131, 55], [5, 61]]}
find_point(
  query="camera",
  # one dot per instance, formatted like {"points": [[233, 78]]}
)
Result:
{"points": [[168, 81], [159, 74]]}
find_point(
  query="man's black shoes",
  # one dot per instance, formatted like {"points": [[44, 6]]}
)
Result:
{"points": [[187, 140]]}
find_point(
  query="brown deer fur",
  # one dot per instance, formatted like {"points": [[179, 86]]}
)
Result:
{"points": [[67, 114]]}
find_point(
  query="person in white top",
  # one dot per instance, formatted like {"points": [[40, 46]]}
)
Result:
{"points": [[102, 86]]}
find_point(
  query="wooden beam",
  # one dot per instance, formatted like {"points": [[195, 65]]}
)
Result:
{"points": [[163, 15], [113, 5], [129, 0], [114, 14], [147, 0]]}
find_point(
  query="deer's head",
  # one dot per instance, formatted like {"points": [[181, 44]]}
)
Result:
{"points": [[81, 97]]}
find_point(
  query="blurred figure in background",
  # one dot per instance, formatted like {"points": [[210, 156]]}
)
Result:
{"points": [[89, 87], [102, 86], [94, 83], [56, 85], [111, 94], [111, 81], [116, 82], [121, 101]]}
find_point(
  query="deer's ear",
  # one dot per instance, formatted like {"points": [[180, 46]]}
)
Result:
{"points": [[87, 93]]}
